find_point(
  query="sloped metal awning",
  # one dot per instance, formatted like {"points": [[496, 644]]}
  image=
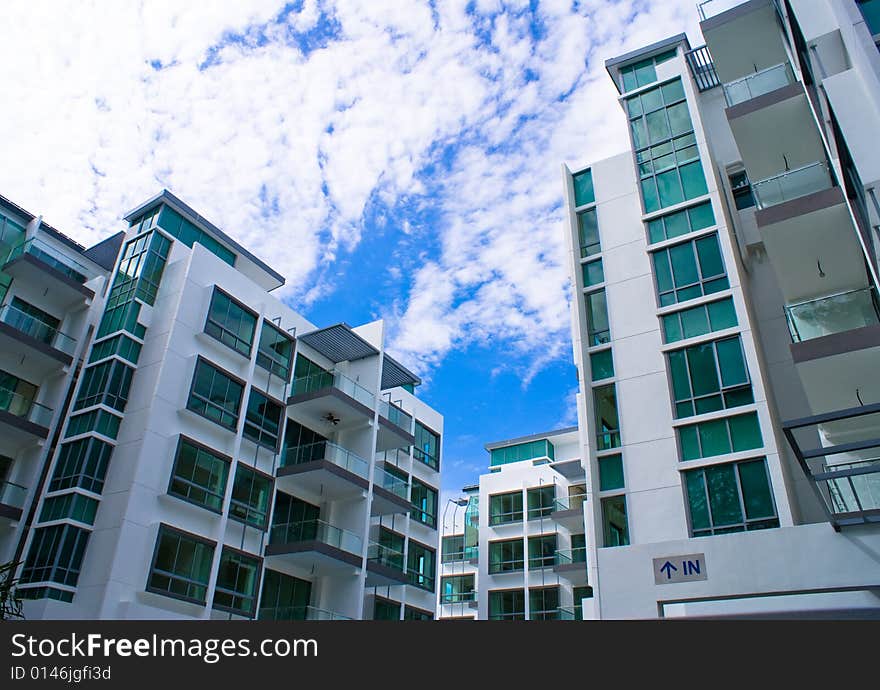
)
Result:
{"points": [[339, 343], [395, 374]]}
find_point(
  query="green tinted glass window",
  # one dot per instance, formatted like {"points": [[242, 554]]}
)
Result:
{"points": [[237, 579], [593, 273], [689, 270], [720, 436], [583, 188], [709, 377], [615, 525], [215, 395], [588, 233], [601, 365], [598, 329], [181, 565], [199, 476], [611, 472], [230, 323], [696, 321], [607, 420]]}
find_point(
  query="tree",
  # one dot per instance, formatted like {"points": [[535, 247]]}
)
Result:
{"points": [[10, 601]]}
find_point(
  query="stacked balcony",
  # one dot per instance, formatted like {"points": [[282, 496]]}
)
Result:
{"points": [[323, 468], [38, 262], [316, 547], [571, 565], [47, 347], [22, 419], [12, 498], [385, 566]]}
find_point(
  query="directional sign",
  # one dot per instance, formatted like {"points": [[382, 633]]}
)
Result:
{"points": [[687, 568]]}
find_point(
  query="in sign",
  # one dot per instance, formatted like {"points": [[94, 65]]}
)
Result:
{"points": [[686, 568]]}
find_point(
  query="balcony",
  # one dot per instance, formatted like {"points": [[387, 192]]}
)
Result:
{"points": [[48, 346], [394, 427], [471, 554], [330, 402], [792, 184], [40, 262], [571, 565], [12, 498], [22, 418], [758, 84], [323, 468], [844, 465], [385, 566], [315, 547], [568, 511], [712, 8], [825, 316], [299, 613], [390, 494], [560, 613]]}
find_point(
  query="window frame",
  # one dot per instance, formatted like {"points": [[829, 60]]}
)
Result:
{"points": [[223, 329], [179, 533], [202, 361], [200, 448]]}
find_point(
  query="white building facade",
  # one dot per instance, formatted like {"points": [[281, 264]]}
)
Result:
{"points": [[218, 456], [725, 321]]}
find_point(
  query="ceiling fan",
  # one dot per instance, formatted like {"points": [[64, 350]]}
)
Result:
{"points": [[331, 418]]}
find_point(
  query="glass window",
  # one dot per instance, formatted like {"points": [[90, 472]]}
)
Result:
{"points": [[593, 273], [69, 506], [424, 498], [689, 270], [579, 594], [681, 222], [120, 345], [588, 233], [699, 320], [275, 352], [541, 448], [421, 565], [615, 527], [730, 498], [187, 232], [285, 598], [598, 329], [427, 446], [107, 383], [181, 565], [293, 519], [720, 436], [215, 395], [411, 613], [452, 548], [709, 377], [309, 377], [601, 365], [507, 604], [250, 497], [638, 74], [742, 190], [81, 463], [55, 555], [16, 395], [583, 188], [611, 472], [455, 589], [262, 420], [506, 556], [607, 421], [390, 551], [230, 323], [386, 609], [540, 501], [504, 508], [542, 551], [199, 475], [237, 581], [99, 421], [543, 603]]}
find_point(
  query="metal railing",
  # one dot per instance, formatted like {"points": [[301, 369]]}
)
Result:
{"points": [[329, 451], [50, 256], [316, 530], [702, 68], [21, 406], [12, 495], [333, 379], [569, 556], [836, 313], [389, 482], [299, 613], [36, 329], [759, 83], [792, 184]]}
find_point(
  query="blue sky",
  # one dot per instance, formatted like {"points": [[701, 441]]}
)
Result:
{"points": [[393, 159]]}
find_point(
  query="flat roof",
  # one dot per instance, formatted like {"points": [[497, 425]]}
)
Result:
{"points": [[166, 197], [532, 437]]}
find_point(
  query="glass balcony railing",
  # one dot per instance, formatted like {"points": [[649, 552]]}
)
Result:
{"points": [[324, 379], [832, 314], [389, 482], [569, 556], [395, 415], [12, 495], [457, 597], [853, 487], [24, 407], [792, 184], [52, 257], [758, 84], [316, 530], [325, 450], [385, 555], [39, 330], [299, 613], [575, 502], [469, 553]]}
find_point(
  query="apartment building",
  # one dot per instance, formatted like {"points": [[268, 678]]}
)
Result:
{"points": [[519, 551], [725, 321], [212, 453]]}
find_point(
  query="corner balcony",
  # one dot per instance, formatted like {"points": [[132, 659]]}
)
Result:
{"points": [[571, 565], [299, 613], [844, 467], [22, 419], [323, 468], [41, 263], [758, 84], [569, 511], [315, 547], [330, 402], [12, 498], [792, 184], [394, 427], [390, 494], [46, 346], [385, 566]]}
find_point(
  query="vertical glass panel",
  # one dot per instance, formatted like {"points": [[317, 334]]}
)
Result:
{"points": [[672, 328], [597, 318], [679, 119], [658, 126], [616, 529], [645, 72], [583, 188], [746, 432], [722, 314], [696, 491], [680, 380], [723, 495], [669, 188], [704, 377], [684, 268], [588, 231], [730, 360], [601, 365], [611, 472], [694, 322], [593, 273], [701, 216], [662, 272], [649, 195], [692, 180], [690, 443], [757, 496], [709, 252], [673, 91], [713, 437]]}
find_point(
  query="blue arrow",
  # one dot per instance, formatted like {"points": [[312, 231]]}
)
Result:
{"points": [[668, 568]]}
